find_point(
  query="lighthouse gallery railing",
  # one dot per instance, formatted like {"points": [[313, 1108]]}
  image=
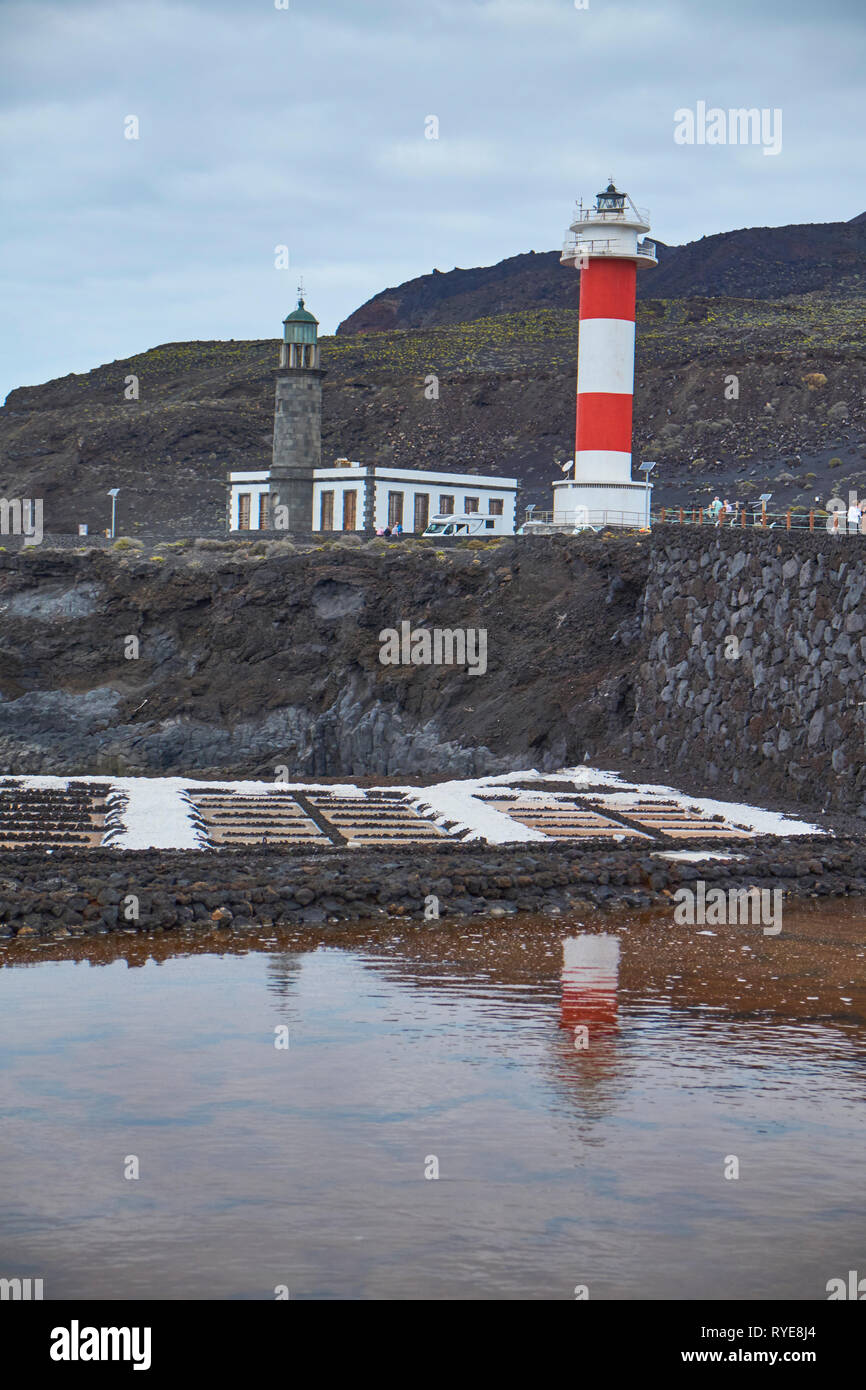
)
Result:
{"points": [[600, 246]]}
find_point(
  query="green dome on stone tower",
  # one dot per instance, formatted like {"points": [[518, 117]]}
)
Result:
{"points": [[300, 325], [300, 315]]}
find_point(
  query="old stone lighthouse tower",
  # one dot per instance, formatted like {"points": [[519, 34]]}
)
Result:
{"points": [[297, 419]]}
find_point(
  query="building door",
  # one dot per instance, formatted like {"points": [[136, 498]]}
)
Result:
{"points": [[422, 511], [244, 511], [395, 508], [264, 511], [350, 510], [327, 511]]}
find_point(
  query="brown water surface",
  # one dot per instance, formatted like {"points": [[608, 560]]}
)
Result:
{"points": [[582, 1085]]}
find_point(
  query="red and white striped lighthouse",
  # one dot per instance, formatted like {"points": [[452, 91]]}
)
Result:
{"points": [[606, 246]]}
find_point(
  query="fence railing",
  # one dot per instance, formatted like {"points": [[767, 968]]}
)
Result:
{"points": [[814, 520], [582, 214], [748, 516], [574, 249], [587, 516]]}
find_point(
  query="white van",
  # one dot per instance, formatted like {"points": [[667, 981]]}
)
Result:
{"points": [[469, 524]]}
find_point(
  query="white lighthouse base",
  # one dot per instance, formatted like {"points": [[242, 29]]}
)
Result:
{"points": [[579, 504]]}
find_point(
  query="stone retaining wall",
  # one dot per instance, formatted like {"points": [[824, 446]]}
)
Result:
{"points": [[74, 893], [754, 664]]}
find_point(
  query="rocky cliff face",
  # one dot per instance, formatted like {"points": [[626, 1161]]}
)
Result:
{"points": [[250, 659], [732, 662]]}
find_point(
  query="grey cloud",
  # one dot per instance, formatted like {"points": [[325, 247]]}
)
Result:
{"points": [[306, 127]]}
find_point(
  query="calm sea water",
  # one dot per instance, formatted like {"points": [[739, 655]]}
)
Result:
{"points": [[414, 1050]]}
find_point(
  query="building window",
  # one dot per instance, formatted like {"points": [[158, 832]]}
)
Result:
{"points": [[395, 508], [471, 504], [494, 506], [446, 505], [244, 499], [490, 525], [327, 523], [264, 511], [422, 511], [350, 510]]}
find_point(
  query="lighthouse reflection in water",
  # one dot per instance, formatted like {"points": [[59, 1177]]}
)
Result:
{"points": [[579, 1094], [590, 975], [592, 1060]]}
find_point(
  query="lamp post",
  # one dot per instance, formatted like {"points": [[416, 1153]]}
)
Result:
{"points": [[646, 469], [112, 492]]}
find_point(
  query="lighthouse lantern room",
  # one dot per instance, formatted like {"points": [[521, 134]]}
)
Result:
{"points": [[606, 244]]}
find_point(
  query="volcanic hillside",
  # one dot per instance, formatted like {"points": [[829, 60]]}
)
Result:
{"points": [[781, 309], [752, 263]]}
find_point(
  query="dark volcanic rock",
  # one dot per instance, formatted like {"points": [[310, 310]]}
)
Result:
{"points": [[347, 883], [754, 262], [252, 661]]}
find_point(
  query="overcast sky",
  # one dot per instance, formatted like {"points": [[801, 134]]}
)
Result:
{"points": [[305, 127]]}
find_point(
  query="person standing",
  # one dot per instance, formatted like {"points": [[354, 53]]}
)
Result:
{"points": [[855, 516]]}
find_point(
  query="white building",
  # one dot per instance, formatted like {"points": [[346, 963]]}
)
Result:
{"points": [[356, 497]]}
